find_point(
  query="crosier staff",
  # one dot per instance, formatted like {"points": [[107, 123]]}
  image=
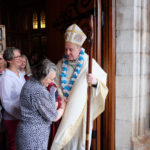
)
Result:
{"points": [[89, 85]]}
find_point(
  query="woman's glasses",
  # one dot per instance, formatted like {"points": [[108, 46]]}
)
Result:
{"points": [[16, 57]]}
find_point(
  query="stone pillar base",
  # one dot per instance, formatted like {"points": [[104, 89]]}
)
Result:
{"points": [[141, 142]]}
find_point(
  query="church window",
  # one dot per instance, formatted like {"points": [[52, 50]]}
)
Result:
{"points": [[35, 20], [42, 20]]}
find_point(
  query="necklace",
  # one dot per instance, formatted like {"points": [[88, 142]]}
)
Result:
{"points": [[67, 85]]}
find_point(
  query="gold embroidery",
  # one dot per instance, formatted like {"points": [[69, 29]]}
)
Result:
{"points": [[78, 38], [73, 30]]}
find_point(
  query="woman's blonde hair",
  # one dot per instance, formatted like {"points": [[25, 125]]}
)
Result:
{"points": [[27, 68]]}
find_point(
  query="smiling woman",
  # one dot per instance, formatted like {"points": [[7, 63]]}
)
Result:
{"points": [[12, 56], [10, 87]]}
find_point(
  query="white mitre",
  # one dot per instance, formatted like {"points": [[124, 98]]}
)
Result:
{"points": [[75, 35]]}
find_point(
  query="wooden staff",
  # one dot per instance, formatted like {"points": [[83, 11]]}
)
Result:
{"points": [[89, 86]]}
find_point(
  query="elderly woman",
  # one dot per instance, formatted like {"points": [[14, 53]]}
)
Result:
{"points": [[38, 108], [10, 87]]}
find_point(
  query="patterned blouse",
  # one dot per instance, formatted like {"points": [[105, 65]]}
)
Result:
{"points": [[38, 110]]}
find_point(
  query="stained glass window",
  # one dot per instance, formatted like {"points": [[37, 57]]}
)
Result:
{"points": [[42, 20], [35, 20]]}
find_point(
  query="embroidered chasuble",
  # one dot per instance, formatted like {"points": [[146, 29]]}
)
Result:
{"points": [[71, 133]]}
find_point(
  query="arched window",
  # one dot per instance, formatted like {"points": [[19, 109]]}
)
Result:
{"points": [[35, 20], [42, 20]]}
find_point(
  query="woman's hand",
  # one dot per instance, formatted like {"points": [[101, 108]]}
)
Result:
{"points": [[63, 102], [61, 109]]}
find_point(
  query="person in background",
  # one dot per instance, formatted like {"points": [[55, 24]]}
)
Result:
{"points": [[35, 57], [2, 70], [25, 67], [72, 80], [38, 108], [2, 63], [10, 87]]}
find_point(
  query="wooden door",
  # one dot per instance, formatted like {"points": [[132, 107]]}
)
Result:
{"points": [[108, 63], [104, 125]]}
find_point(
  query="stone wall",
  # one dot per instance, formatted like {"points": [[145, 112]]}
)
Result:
{"points": [[132, 74]]}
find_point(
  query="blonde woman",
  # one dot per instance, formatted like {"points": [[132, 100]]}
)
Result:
{"points": [[25, 67]]}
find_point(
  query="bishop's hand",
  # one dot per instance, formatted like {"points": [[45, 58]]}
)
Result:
{"points": [[91, 79]]}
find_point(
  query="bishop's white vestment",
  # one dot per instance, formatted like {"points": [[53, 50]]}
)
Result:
{"points": [[71, 134]]}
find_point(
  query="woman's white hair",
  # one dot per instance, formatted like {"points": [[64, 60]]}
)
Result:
{"points": [[43, 68]]}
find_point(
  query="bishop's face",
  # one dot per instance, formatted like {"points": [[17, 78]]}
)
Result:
{"points": [[72, 51]]}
